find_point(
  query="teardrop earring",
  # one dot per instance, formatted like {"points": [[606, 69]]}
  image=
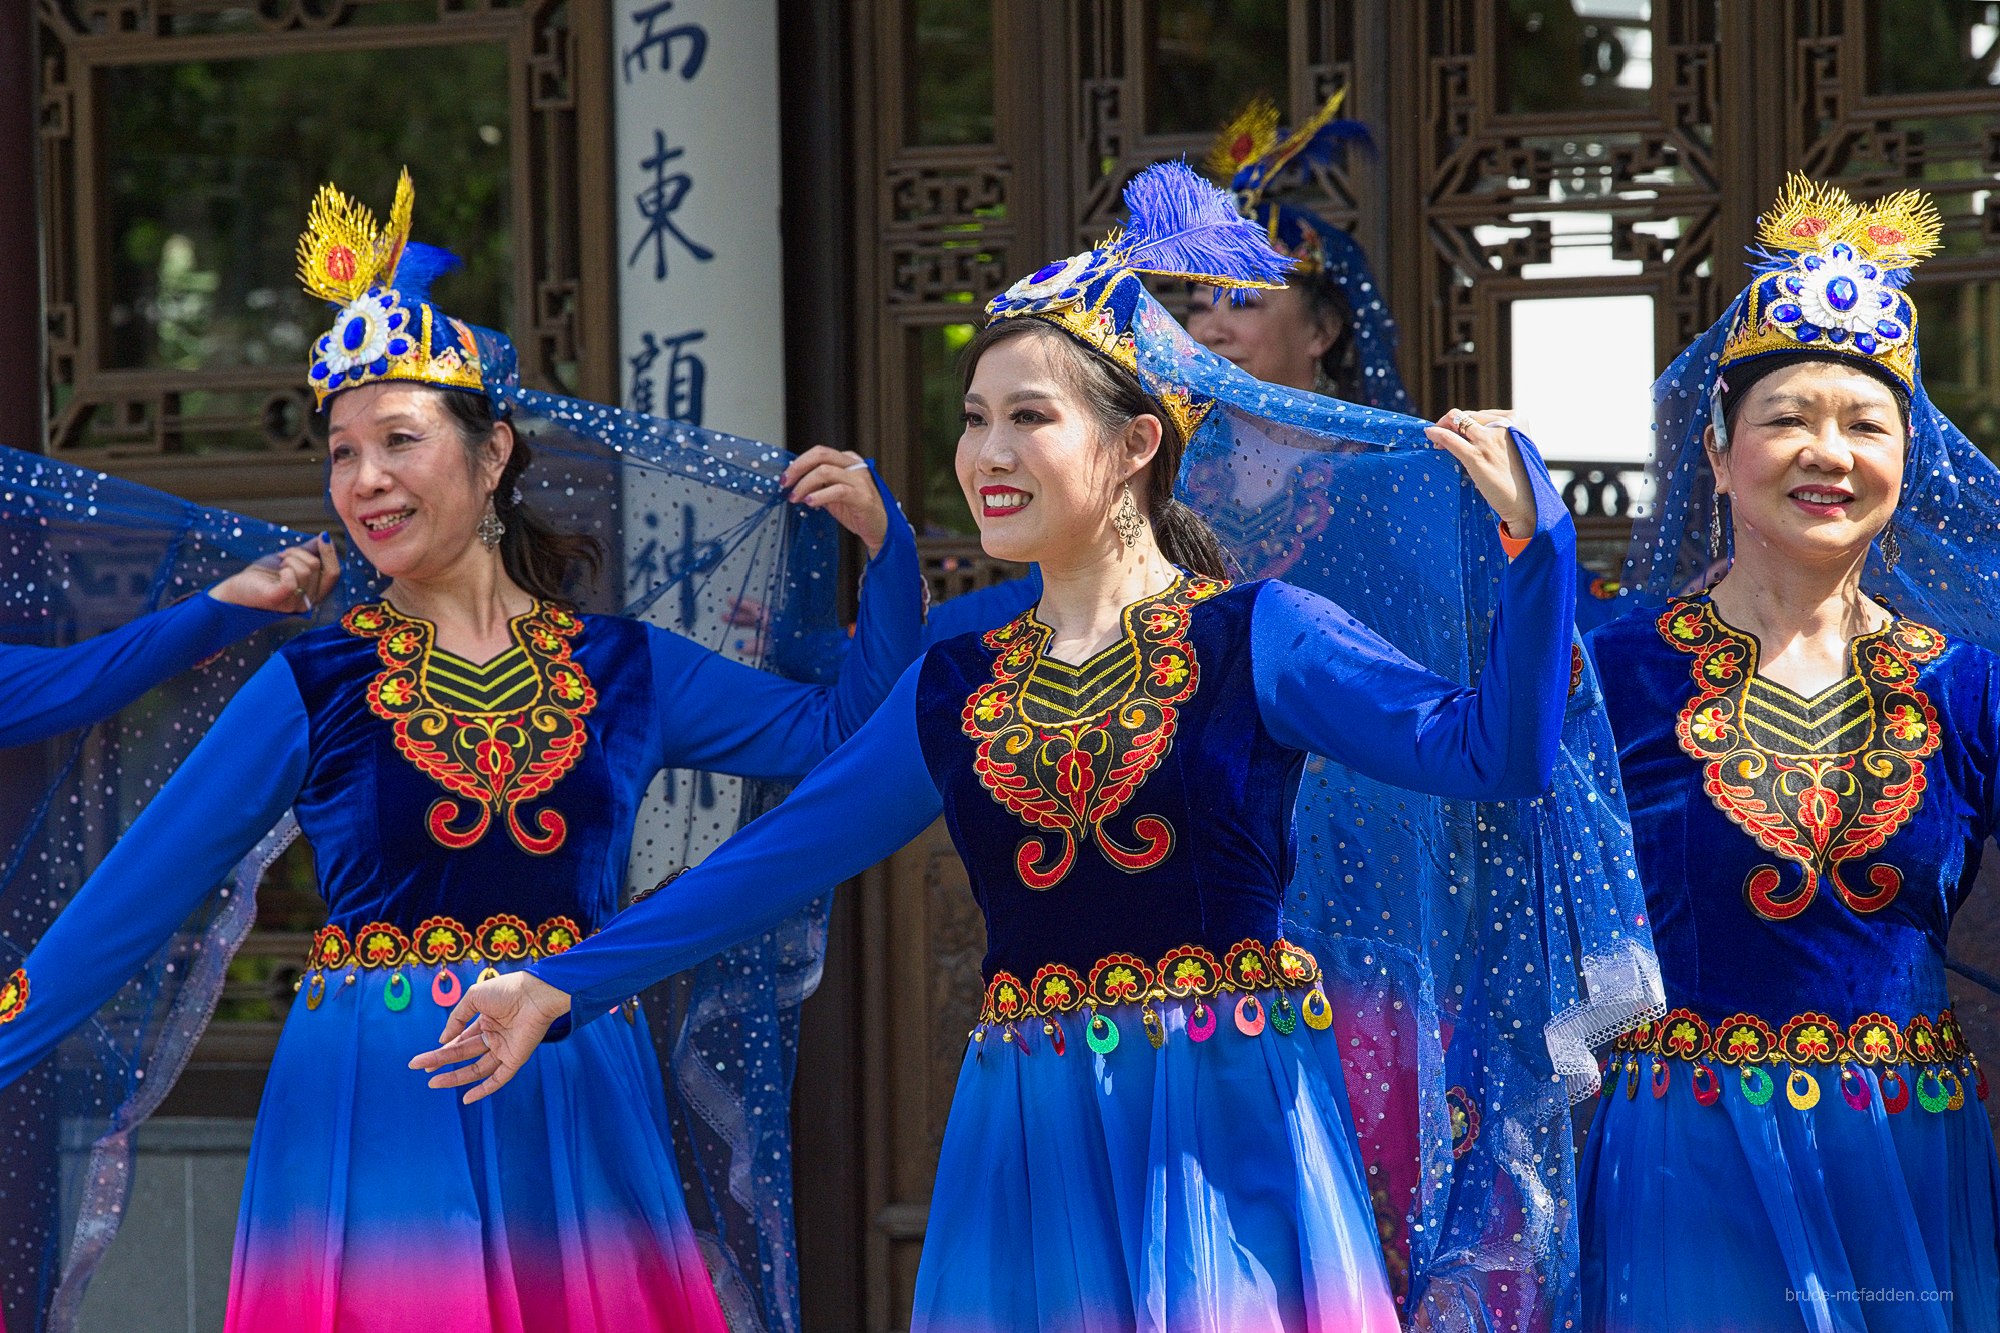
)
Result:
{"points": [[1128, 520], [1892, 548], [1715, 540]]}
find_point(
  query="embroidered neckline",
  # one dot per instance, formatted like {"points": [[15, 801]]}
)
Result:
{"points": [[499, 734], [1064, 748], [1818, 781]]}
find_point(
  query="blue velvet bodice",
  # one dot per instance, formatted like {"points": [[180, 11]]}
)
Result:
{"points": [[1198, 853], [1801, 855], [400, 839]]}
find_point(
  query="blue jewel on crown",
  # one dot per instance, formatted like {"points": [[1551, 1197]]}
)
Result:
{"points": [[1841, 297], [1053, 285], [369, 332]]}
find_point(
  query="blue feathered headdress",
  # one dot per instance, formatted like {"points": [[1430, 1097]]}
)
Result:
{"points": [[1181, 227]]}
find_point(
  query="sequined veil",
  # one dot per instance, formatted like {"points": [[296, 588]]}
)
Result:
{"points": [[1476, 952], [85, 553], [701, 542]]}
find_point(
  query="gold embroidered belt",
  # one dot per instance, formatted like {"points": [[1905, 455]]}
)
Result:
{"points": [[1189, 973], [436, 943], [1934, 1048]]}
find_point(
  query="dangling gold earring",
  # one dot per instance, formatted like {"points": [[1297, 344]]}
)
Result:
{"points": [[491, 529], [1128, 520]]}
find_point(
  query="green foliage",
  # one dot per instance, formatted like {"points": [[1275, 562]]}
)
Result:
{"points": [[210, 166]]}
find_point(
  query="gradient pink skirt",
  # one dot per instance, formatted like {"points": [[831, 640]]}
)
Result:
{"points": [[376, 1204]]}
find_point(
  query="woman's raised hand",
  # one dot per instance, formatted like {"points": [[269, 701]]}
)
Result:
{"points": [[497, 1026], [1481, 444], [292, 581], [840, 483]]}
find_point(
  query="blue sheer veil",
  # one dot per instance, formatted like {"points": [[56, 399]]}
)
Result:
{"points": [[701, 542], [1475, 953], [85, 553]]}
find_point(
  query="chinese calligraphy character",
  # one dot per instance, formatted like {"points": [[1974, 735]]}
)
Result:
{"points": [[658, 203], [663, 39], [686, 376]]}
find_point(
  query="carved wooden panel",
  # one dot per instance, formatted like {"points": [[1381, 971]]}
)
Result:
{"points": [[225, 417]]}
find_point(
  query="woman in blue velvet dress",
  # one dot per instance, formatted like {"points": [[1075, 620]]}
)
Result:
{"points": [[1811, 750], [467, 756], [1152, 1128]]}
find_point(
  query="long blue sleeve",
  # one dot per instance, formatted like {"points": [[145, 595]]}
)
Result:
{"points": [[1328, 684], [723, 715], [48, 691], [231, 790], [873, 795]]}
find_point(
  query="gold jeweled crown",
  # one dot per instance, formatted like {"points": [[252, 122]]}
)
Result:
{"points": [[387, 328], [1831, 280]]}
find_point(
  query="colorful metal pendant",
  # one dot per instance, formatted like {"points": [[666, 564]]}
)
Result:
{"points": [[1707, 1087], [1283, 1017], [1934, 1102], [1318, 1013], [1801, 1090], [1660, 1078], [446, 988], [1854, 1087], [1053, 1031], [1895, 1103], [315, 990], [1631, 1077], [1250, 1016], [1201, 1023], [1102, 1034], [488, 972], [397, 993], [1956, 1101], [1154, 1032], [1757, 1085]]}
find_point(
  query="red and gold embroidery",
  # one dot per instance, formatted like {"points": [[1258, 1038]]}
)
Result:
{"points": [[1187, 973], [1808, 1039], [1065, 748], [14, 995], [1820, 782], [1464, 1120], [498, 736], [440, 940]]}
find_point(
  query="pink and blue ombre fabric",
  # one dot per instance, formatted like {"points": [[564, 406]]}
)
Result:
{"points": [[373, 1202]]}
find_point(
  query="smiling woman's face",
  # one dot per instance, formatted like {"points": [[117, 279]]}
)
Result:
{"points": [[1814, 466], [1271, 335], [1040, 479], [401, 479]]}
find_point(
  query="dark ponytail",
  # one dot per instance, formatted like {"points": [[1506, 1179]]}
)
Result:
{"points": [[1115, 398], [543, 559]]}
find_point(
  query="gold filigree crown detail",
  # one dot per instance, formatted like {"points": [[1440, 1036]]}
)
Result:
{"points": [[381, 332], [1832, 275]]}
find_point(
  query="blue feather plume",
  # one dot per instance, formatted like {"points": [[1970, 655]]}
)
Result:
{"points": [[1185, 227], [420, 266]]}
